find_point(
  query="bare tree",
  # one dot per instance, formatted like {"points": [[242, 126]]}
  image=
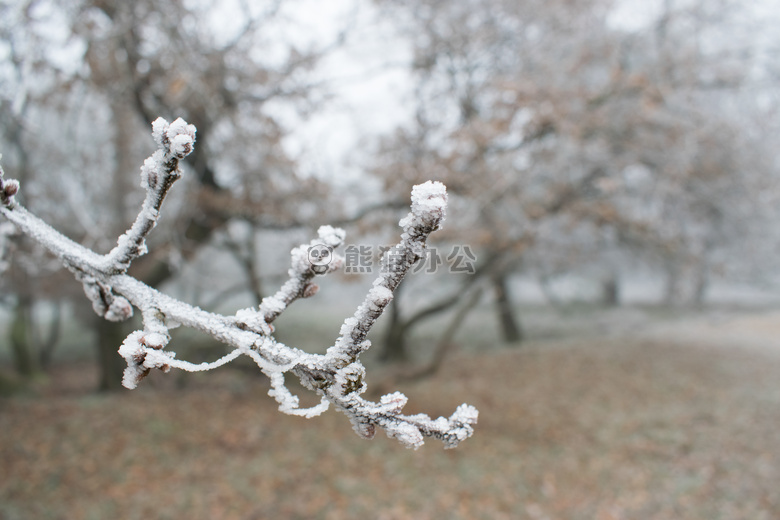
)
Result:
{"points": [[338, 376], [543, 117]]}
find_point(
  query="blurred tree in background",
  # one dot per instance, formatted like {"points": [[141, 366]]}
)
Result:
{"points": [[573, 143]]}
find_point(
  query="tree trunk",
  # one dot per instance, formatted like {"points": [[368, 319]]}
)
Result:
{"points": [[110, 336], [21, 338], [701, 283], [7, 386], [673, 288], [611, 291], [47, 345], [445, 344], [394, 348], [511, 329], [31, 351]]}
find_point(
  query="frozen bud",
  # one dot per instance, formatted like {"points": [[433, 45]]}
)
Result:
{"points": [[132, 349], [459, 427], [429, 205], [465, 415], [380, 296], [181, 146], [133, 352], [331, 236], [159, 129], [154, 340], [310, 290], [177, 138], [119, 310], [181, 138], [429, 197], [10, 188], [133, 375], [149, 173], [180, 127]]}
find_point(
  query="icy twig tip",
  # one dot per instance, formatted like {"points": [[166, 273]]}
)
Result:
{"points": [[331, 236], [176, 139], [429, 207], [429, 200]]}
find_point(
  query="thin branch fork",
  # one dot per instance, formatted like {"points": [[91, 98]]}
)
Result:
{"points": [[337, 376]]}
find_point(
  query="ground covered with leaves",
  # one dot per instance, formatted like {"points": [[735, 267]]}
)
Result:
{"points": [[588, 429]]}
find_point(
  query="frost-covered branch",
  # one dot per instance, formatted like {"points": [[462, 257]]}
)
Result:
{"points": [[158, 173], [337, 376]]}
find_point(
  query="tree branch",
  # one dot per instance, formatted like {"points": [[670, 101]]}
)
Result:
{"points": [[337, 376]]}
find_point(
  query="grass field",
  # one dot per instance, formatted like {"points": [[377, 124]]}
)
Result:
{"points": [[569, 429]]}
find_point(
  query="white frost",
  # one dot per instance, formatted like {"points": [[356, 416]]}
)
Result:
{"points": [[380, 294], [406, 433], [159, 126], [271, 304], [331, 236], [429, 197]]}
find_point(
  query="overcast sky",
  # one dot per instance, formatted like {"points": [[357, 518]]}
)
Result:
{"points": [[369, 78]]}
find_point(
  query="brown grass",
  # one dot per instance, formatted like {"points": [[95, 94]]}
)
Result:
{"points": [[614, 430]]}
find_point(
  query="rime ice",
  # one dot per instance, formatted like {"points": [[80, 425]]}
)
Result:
{"points": [[337, 376]]}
